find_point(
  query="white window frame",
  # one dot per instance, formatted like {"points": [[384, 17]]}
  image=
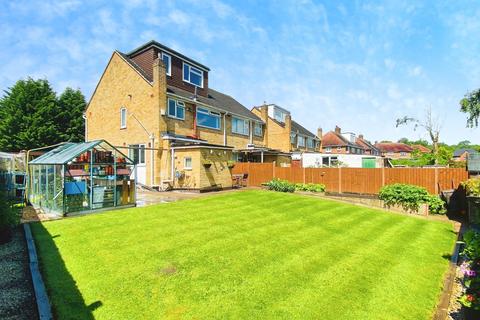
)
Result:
{"points": [[246, 124], [140, 147], [193, 69], [123, 118], [185, 167], [301, 138], [169, 67], [282, 114], [258, 126], [178, 104], [210, 113], [312, 146], [328, 150]]}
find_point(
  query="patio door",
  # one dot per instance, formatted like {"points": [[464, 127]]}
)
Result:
{"points": [[137, 154]]}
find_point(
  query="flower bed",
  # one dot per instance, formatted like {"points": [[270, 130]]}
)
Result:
{"points": [[469, 273]]}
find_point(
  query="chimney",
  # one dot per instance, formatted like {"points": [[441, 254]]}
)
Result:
{"points": [[160, 91], [338, 130], [319, 133], [264, 112], [360, 136]]}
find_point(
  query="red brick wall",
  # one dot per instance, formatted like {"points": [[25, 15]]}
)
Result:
{"points": [[145, 61]]}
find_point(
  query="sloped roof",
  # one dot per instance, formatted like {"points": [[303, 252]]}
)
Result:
{"points": [[365, 144], [215, 98], [68, 151], [153, 43], [393, 147], [421, 148], [301, 130], [333, 139], [459, 152]]}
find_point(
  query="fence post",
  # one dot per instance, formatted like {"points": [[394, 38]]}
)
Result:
{"points": [[339, 179], [436, 181], [274, 164], [304, 175], [383, 176]]}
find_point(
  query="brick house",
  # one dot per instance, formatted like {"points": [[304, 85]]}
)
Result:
{"points": [[395, 150], [283, 135], [369, 148], [462, 154], [339, 142], [156, 103]]}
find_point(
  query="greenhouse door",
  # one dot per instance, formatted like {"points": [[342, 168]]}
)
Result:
{"points": [[137, 154]]}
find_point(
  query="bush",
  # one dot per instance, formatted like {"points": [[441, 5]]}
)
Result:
{"points": [[280, 185], [410, 197], [8, 214], [310, 187], [472, 186]]}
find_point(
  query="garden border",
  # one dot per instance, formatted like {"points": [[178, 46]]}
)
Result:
{"points": [[441, 312], [41, 297]]}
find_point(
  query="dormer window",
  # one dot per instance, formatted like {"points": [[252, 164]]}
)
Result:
{"points": [[167, 60], [192, 75], [279, 115]]}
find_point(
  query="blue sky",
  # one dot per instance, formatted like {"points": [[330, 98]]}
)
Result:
{"points": [[356, 64]]}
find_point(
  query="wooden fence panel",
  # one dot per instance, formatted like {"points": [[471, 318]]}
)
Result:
{"points": [[355, 180]]}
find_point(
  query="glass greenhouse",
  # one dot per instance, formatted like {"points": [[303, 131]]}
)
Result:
{"points": [[81, 177]]}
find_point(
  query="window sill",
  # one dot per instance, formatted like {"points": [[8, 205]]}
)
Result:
{"points": [[193, 84], [241, 134], [123, 128], [176, 118], [217, 129]]}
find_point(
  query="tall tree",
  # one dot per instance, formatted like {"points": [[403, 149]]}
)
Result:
{"points": [[431, 125], [70, 118], [470, 104], [28, 114]]}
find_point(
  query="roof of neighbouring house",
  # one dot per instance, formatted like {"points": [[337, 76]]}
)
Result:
{"points": [[301, 130], [421, 148], [215, 99], [334, 139], [365, 143], [459, 152], [393, 147], [153, 43]]}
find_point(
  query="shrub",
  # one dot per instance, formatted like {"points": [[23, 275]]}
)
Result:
{"points": [[310, 187], [280, 185], [472, 186], [410, 197]]}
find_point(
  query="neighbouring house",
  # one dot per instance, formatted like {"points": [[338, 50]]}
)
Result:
{"points": [[395, 150], [283, 135], [462, 154], [367, 146], [156, 104], [319, 160], [421, 149], [339, 142]]}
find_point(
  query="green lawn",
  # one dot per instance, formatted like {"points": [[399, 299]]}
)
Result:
{"points": [[245, 255]]}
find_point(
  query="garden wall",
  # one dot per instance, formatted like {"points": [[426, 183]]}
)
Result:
{"points": [[355, 180]]}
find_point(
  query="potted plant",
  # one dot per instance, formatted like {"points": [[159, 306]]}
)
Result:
{"points": [[230, 164], [207, 163], [472, 187]]}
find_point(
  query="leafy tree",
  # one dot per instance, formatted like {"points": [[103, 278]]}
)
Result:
{"points": [[31, 116], [70, 118], [431, 125], [470, 104], [28, 114]]}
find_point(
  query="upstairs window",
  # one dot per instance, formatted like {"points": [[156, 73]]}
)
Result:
{"points": [[123, 118], [292, 137], [279, 115], [328, 149], [240, 126], [192, 75], [208, 119], [258, 129], [167, 60], [301, 141], [176, 109], [310, 143]]}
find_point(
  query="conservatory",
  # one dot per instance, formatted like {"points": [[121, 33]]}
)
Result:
{"points": [[81, 177]]}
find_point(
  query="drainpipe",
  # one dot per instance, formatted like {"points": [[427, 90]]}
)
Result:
{"points": [[172, 172], [250, 123], [152, 159], [84, 116], [224, 129], [194, 110]]}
